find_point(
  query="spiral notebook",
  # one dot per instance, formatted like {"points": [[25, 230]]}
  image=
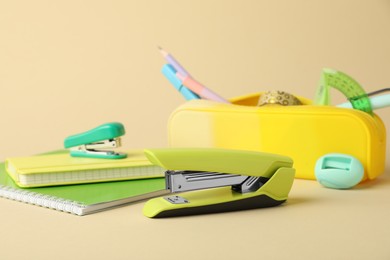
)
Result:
{"points": [[82, 199]]}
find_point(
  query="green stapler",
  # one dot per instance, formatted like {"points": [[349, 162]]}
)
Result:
{"points": [[89, 143], [211, 180]]}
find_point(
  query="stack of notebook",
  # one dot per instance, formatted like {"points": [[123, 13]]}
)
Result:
{"points": [[80, 185]]}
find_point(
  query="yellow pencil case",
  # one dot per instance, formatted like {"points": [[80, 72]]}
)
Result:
{"points": [[304, 133]]}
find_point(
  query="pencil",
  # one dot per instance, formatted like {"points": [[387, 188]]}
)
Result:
{"points": [[189, 81], [171, 60], [199, 89]]}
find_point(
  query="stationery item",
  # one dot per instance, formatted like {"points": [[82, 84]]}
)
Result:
{"points": [[82, 199], [171, 60], [377, 102], [219, 180], [278, 98], [379, 91], [170, 73], [188, 81], [346, 85], [86, 144], [62, 169], [305, 132], [338, 171], [199, 89]]}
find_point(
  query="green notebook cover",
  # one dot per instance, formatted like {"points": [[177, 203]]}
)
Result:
{"points": [[83, 199]]}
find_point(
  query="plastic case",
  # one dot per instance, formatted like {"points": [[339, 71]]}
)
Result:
{"points": [[305, 132]]}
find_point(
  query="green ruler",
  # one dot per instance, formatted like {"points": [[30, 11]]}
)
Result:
{"points": [[346, 85]]}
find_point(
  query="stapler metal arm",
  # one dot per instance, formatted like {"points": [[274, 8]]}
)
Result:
{"points": [[219, 180]]}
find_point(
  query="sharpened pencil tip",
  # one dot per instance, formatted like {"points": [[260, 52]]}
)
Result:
{"points": [[162, 51]]}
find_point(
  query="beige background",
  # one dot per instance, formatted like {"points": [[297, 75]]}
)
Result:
{"points": [[68, 66]]}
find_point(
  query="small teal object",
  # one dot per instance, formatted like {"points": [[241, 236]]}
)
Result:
{"points": [[87, 144], [339, 171]]}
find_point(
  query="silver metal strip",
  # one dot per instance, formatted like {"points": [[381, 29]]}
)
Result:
{"points": [[110, 143], [92, 147], [179, 181]]}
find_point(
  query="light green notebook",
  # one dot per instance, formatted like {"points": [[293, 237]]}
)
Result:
{"points": [[83, 199], [59, 168]]}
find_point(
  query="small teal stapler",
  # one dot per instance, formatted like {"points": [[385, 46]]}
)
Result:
{"points": [[89, 143], [212, 180]]}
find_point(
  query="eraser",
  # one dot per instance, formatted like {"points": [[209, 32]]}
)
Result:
{"points": [[338, 171]]}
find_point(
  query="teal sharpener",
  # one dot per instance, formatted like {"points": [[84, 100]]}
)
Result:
{"points": [[89, 143]]}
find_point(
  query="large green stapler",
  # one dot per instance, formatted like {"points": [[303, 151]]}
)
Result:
{"points": [[211, 180]]}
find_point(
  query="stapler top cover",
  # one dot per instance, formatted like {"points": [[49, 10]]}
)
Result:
{"points": [[102, 132], [241, 162]]}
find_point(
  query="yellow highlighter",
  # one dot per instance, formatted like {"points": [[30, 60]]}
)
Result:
{"points": [[212, 180]]}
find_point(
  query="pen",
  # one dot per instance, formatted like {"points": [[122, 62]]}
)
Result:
{"points": [[171, 60], [199, 89], [376, 102], [170, 73]]}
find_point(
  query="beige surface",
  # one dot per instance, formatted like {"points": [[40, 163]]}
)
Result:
{"points": [[315, 223], [67, 66]]}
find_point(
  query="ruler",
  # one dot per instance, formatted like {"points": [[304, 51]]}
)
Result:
{"points": [[346, 85]]}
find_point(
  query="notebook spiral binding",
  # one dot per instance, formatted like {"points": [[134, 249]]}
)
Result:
{"points": [[46, 201]]}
